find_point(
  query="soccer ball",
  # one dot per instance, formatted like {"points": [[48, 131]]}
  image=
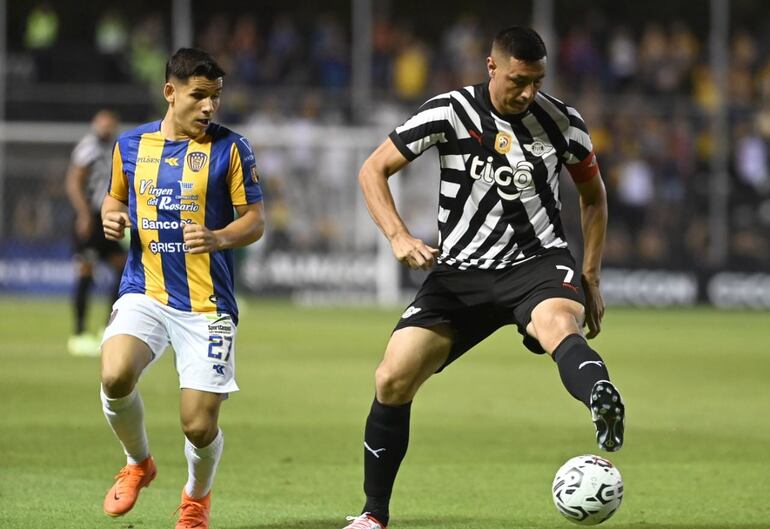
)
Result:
{"points": [[587, 489]]}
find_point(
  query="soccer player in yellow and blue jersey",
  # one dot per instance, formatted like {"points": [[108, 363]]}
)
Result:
{"points": [[189, 191]]}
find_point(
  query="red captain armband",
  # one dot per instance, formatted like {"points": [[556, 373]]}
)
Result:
{"points": [[585, 170]]}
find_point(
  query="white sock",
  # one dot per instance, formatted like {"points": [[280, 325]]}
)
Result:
{"points": [[202, 465], [126, 417]]}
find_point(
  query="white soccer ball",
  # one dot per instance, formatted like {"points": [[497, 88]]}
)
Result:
{"points": [[587, 489]]}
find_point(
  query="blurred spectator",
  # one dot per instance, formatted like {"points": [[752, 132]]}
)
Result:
{"points": [[580, 58], [384, 37], [636, 192], [41, 33], [622, 58], [149, 53], [214, 39], [751, 163], [111, 39], [330, 50], [410, 68], [111, 33], [462, 45], [284, 61], [42, 28], [657, 72], [245, 49]]}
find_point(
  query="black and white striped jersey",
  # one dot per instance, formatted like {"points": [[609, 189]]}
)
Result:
{"points": [[95, 155], [499, 189]]}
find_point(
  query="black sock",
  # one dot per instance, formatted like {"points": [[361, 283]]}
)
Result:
{"points": [[81, 301], [385, 442], [580, 367]]}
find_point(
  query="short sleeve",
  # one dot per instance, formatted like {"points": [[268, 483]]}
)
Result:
{"points": [[86, 152], [243, 178], [427, 127], [579, 145], [118, 187]]}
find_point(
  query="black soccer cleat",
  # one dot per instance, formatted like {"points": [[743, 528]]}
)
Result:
{"points": [[608, 413]]}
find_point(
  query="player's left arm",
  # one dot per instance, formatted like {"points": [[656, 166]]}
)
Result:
{"points": [[246, 229], [246, 196], [76, 179], [593, 219]]}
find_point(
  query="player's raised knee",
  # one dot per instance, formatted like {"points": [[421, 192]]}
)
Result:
{"points": [[117, 383], [393, 387], [199, 431]]}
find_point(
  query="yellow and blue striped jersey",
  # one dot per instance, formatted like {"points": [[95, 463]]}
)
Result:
{"points": [[167, 184]]}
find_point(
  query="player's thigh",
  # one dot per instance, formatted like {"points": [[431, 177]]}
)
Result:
{"points": [[415, 353], [554, 319], [135, 337], [124, 355], [204, 349], [550, 284]]}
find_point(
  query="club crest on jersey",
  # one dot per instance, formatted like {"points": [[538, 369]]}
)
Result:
{"points": [[503, 142], [538, 148], [516, 180], [196, 161]]}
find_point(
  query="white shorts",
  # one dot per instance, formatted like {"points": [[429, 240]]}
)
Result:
{"points": [[203, 342]]}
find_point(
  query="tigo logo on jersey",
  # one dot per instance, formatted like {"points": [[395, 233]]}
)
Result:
{"points": [[196, 161], [538, 148], [504, 177], [503, 142]]}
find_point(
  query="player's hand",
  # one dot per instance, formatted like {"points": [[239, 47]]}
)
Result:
{"points": [[115, 224], [413, 252], [84, 225], [594, 306], [200, 239]]}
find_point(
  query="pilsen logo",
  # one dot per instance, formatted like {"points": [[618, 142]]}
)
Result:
{"points": [[196, 161]]}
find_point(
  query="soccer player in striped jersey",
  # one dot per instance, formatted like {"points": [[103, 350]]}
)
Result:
{"points": [[502, 256], [176, 183], [86, 184]]}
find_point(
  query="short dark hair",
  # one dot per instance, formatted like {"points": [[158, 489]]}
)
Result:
{"points": [[189, 62], [520, 43]]}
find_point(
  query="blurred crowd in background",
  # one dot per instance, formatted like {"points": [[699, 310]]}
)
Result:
{"points": [[643, 85]]}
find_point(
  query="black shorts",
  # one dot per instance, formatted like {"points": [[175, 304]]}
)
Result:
{"points": [[96, 246], [475, 303]]}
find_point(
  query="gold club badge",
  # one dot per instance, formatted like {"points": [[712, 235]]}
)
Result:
{"points": [[503, 142], [196, 161]]}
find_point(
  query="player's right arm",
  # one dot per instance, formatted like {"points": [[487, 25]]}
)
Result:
{"points": [[373, 178], [115, 217], [77, 175]]}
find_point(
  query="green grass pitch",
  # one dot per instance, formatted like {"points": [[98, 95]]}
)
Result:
{"points": [[487, 435]]}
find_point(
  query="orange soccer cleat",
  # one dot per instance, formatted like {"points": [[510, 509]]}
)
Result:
{"points": [[122, 496], [194, 513]]}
